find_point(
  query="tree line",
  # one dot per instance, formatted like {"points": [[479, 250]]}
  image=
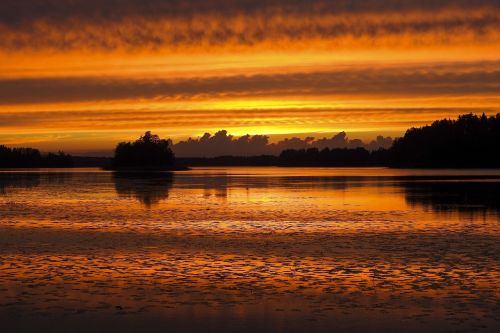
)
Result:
{"points": [[33, 158], [470, 141]]}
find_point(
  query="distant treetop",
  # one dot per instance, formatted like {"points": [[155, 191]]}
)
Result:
{"points": [[149, 151]]}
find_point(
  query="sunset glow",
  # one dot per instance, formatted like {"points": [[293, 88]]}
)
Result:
{"points": [[270, 166], [82, 77]]}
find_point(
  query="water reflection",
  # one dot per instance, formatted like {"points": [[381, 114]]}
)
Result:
{"points": [[148, 188], [462, 194], [13, 181], [318, 247], [455, 196], [438, 193], [27, 180]]}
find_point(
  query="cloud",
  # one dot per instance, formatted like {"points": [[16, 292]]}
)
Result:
{"points": [[183, 123], [153, 25], [15, 12], [459, 79], [229, 74], [221, 143]]}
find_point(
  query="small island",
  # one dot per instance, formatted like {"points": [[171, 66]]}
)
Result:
{"points": [[149, 153]]}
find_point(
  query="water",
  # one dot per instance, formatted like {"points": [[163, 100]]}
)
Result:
{"points": [[250, 249]]}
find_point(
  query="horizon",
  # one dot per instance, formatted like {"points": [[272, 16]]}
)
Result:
{"points": [[223, 143], [299, 138]]}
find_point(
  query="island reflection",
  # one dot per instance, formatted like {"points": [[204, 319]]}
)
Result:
{"points": [[149, 188]]}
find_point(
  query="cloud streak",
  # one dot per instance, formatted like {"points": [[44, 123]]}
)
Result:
{"points": [[173, 25], [16, 12], [446, 80], [182, 123]]}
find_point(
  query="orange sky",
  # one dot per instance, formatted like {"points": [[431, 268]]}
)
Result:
{"points": [[82, 75]]}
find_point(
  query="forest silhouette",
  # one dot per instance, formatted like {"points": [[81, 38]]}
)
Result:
{"points": [[470, 141], [32, 158]]}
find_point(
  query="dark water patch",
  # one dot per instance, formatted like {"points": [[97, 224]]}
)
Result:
{"points": [[455, 196], [149, 188]]}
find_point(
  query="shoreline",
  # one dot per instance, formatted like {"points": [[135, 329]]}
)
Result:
{"points": [[190, 167], [146, 169]]}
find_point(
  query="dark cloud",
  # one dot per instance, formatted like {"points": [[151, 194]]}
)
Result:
{"points": [[222, 143], [15, 11], [133, 24], [453, 80]]}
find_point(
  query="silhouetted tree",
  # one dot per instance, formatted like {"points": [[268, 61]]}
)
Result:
{"points": [[469, 141], [59, 159], [32, 158], [148, 151]]}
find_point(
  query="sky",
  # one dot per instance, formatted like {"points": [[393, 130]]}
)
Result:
{"points": [[82, 75]]}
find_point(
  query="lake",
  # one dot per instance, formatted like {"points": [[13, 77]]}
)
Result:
{"points": [[250, 249]]}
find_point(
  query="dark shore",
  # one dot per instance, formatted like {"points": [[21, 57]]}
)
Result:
{"points": [[133, 170]]}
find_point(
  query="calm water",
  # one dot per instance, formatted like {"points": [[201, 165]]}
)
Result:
{"points": [[250, 249]]}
